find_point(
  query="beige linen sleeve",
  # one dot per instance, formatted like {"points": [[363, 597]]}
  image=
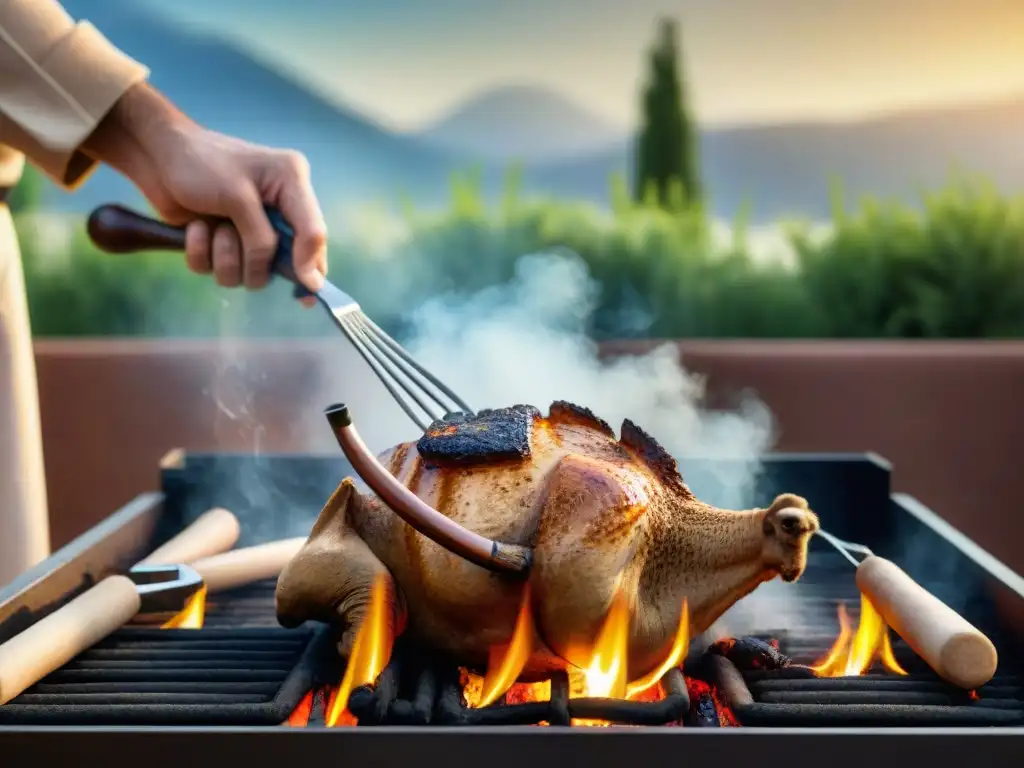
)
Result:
{"points": [[58, 79]]}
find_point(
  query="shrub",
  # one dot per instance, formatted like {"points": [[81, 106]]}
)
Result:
{"points": [[954, 267]]}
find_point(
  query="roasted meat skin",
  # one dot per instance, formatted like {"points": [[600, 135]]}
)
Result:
{"points": [[600, 514]]}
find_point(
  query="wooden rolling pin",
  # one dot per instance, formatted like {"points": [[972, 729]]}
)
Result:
{"points": [[956, 650], [244, 566], [213, 532], [101, 610]]}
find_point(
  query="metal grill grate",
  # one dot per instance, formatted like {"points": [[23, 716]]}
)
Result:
{"points": [[793, 697], [252, 606], [238, 669], [878, 701]]}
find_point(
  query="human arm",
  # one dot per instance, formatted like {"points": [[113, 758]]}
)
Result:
{"points": [[217, 185], [69, 99], [58, 79]]}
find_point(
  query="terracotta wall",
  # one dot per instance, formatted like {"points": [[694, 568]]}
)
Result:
{"points": [[945, 414]]}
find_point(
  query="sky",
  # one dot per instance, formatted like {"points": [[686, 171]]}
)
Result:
{"points": [[406, 63]]}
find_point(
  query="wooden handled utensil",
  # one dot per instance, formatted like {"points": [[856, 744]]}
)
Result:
{"points": [[423, 397], [106, 607], [955, 649], [239, 567]]}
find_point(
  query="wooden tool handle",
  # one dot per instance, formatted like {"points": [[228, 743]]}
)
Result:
{"points": [[245, 566], [213, 532], [53, 641], [957, 651], [116, 229]]}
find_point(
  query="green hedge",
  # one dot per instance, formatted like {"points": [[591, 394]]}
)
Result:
{"points": [[953, 266]]}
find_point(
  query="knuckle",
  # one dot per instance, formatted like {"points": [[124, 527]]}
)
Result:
{"points": [[317, 237], [225, 239], [263, 248], [296, 162]]}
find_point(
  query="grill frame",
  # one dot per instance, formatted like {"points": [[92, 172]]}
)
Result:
{"points": [[862, 480], [511, 747]]}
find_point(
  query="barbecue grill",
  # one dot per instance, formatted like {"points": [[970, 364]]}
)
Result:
{"points": [[243, 688]]}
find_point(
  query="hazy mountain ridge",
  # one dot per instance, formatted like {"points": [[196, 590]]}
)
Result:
{"points": [[782, 169], [227, 89], [521, 122]]}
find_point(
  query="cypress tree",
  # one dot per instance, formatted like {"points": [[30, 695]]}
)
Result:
{"points": [[666, 151]]}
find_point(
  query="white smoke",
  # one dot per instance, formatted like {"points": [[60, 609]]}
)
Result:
{"points": [[526, 342]]}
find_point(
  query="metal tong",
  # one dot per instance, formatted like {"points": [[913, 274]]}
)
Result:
{"points": [[955, 649], [164, 591], [156, 585], [424, 398]]}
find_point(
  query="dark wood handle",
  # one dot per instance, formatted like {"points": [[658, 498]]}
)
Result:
{"points": [[116, 229]]}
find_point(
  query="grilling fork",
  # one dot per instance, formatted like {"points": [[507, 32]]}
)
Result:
{"points": [[116, 229], [956, 650]]}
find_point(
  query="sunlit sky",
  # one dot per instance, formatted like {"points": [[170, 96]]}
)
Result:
{"points": [[406, 62]]}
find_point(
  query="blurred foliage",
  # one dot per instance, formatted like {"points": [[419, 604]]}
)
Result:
{"points": [[952, 267]]}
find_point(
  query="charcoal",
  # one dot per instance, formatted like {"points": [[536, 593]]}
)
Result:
{"points": [[751, 654]]}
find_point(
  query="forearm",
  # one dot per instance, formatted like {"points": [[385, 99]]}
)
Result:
{"points": [[58, 80], [137, 122]]}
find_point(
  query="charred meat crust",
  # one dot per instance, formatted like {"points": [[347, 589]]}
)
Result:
{"points": [[490, 436], [650, 452], [563, 412]]}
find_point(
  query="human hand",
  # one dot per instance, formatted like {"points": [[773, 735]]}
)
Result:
{"points": [[216, 185]]}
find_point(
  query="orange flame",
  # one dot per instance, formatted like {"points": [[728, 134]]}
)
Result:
{"points": [[676, 654], [506, 662], [604, 677], [192, 615], [371, 652], [853, 653]]}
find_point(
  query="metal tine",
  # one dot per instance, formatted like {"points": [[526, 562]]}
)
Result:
{"points": [[409, 359], [387, 373], [396, 373], [845, 547], [403, 360], [393, 384]]}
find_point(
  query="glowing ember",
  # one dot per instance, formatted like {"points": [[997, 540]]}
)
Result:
{"points": [[521, 693], [518, 693], [370, 654], [311, 702], [299, 718], [702, 694], [192, 615], [854, 652]]}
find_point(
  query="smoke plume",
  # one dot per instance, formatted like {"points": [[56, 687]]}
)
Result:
{"points": [[526, 341]]}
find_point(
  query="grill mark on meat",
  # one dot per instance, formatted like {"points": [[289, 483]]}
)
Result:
{"points": [[398, 457], [445, 485], [410, 535], [612, 530]]}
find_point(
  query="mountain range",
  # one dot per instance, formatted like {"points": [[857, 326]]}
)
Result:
{"points": [[779, 170]]}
